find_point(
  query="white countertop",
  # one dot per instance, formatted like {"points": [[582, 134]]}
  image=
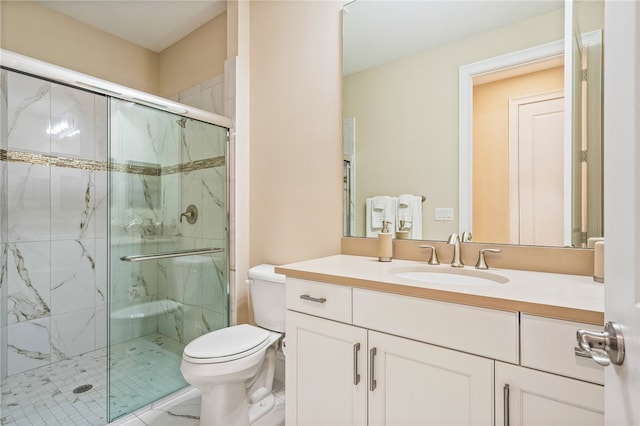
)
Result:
{"points": [[570, 297]]}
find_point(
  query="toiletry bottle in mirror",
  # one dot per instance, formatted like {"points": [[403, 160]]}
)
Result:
{"points": [[385, 243], [403, 231]]}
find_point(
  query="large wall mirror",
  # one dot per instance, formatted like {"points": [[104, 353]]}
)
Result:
{"points": [[480, 116]]}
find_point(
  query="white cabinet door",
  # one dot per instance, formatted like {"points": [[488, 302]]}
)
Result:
{"points": [[421, 384], [326, 375], [538, 398]]}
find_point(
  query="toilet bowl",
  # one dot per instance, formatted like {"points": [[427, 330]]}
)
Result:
{"points": [[234, 367]]}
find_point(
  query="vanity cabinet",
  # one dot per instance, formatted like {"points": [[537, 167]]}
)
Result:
{"points": [[358, 356], [530, 397], [326, 378], [339, 374]]}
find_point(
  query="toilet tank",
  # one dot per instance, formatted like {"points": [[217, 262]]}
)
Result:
{"points": [[267, 297]]}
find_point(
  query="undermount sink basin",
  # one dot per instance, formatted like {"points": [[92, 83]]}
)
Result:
{"points": [[452, 276]]}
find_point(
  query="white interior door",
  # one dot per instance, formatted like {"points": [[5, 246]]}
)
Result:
{"points": [[536, 170], [622, 198]]}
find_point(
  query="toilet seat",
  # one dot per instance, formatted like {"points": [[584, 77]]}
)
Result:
{"points": [[227, 344]]}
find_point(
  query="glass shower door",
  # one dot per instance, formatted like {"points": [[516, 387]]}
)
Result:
{"points": [[167, 198]]}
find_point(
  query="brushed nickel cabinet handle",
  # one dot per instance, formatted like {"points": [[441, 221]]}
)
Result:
{"points": [[372, 380], [505, 396], [313, 299], [356, 376]]}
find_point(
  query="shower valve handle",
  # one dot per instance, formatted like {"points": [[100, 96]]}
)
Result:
{"points": [[191, 214]]}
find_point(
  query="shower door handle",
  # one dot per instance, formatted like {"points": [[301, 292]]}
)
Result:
{"points": [[170, 254]]}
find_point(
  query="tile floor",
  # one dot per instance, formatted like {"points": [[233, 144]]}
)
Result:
{"points": [[183, 409], [140, 368]]}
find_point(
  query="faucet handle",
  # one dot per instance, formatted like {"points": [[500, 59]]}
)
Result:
{"points": [[191, 214], [482, 264], [466, 237], [433, 260]]}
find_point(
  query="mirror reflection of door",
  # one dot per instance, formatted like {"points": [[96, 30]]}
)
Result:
{"points": [[493, 199], [536, 169]]}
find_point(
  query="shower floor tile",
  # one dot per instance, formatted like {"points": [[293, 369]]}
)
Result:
{"points": [[44, 396]]}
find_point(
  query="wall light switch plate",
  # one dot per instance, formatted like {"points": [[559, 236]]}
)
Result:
{"points": [[444, 213]]}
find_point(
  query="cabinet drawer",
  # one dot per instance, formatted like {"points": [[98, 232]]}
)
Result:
{"points": [[549, 345], [323, 300], [485, 332]]}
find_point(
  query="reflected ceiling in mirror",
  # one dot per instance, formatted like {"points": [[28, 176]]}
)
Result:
{"points": [[401, 99]]}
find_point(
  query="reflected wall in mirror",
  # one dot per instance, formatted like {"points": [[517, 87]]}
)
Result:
{"points": [[403, 131]]}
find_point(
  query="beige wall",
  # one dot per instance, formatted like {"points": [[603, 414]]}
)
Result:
{"points": [[295, 130], [36, 31], [197, 57], [39, 32], [491, 148]]}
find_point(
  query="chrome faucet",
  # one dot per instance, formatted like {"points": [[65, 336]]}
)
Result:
{"points": [[454, 240]]}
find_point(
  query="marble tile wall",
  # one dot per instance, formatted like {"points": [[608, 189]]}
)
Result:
{"points": [[200, 282], [200, 179], [208, 95], [53, 219], [206, 188], [144, 212]]}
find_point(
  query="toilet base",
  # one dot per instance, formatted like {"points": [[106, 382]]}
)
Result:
{"points": [[259, 409], [232, 408], [225, 405]]}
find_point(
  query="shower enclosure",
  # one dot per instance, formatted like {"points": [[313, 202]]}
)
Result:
{"points": [[106, 269]]}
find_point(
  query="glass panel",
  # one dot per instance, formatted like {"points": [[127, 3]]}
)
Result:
{"points": [[161, 164], [53, 267]]}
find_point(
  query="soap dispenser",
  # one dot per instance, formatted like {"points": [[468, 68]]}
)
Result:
{"points": [[385, 243], [403, 232]]}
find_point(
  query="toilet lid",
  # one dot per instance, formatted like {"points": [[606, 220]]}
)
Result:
{"points": [[226, 342]]}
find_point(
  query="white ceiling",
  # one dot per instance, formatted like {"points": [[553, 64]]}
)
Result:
{"points": [[152, 24], [377, 32]]}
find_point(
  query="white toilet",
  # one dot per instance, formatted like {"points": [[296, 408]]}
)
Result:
{"points": [[234, 367]]}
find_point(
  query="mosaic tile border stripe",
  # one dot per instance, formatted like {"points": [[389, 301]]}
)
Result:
{"points": [[76, 163]]}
